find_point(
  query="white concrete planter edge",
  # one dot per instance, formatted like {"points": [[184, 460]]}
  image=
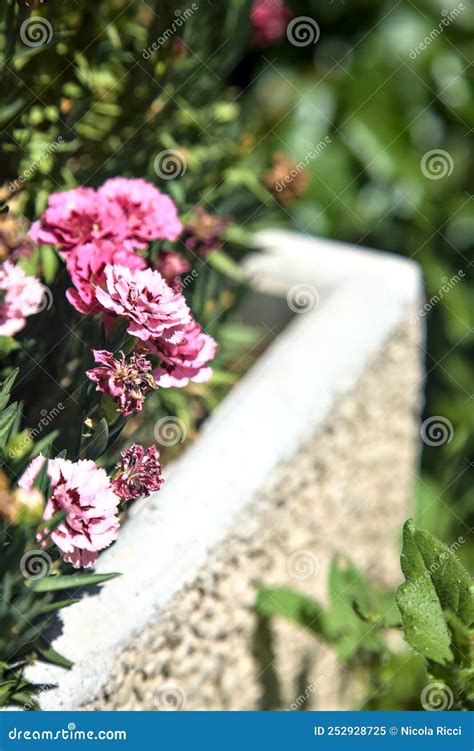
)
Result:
{"points": [[364, 296]]}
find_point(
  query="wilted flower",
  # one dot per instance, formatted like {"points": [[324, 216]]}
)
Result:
{"points": [[286, 179], [85, 493], [20, 296], [162, 320], [128, 382], [203, 232], [138, 473], [14, 242], [269, 21]]}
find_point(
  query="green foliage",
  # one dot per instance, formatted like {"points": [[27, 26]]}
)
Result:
{"points": [[435, 611], [437, 607], [29, 580], [384, 105]]}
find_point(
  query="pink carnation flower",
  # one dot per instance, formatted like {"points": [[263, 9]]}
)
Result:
{"points": [[162, 320], [133, 212], [86, 265], [75, 217], [269, 21], [20, 296], [127, 382], [138, 473], [85, 492], [186, 361], [152, 308], [146, 213]]}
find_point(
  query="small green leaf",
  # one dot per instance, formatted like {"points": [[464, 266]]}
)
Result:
{"points": [[69, 581], [57, 605], [422, 614], [48, 654], [224, 264], [6, 388], [295, 607]]}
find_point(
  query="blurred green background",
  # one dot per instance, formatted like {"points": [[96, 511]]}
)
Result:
{"points": [[384, 103]]}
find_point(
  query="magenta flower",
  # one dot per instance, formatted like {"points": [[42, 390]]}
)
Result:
{"points": [[269, 21], [186, 361], [129, 212], [75, 217], [85, 492], [20, 296], [128, 382], [150, 305], [146, 213], [86, 265], [162, 320], [138, 473]]}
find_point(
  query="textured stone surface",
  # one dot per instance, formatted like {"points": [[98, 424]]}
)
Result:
{"points": [[347, 489]]}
